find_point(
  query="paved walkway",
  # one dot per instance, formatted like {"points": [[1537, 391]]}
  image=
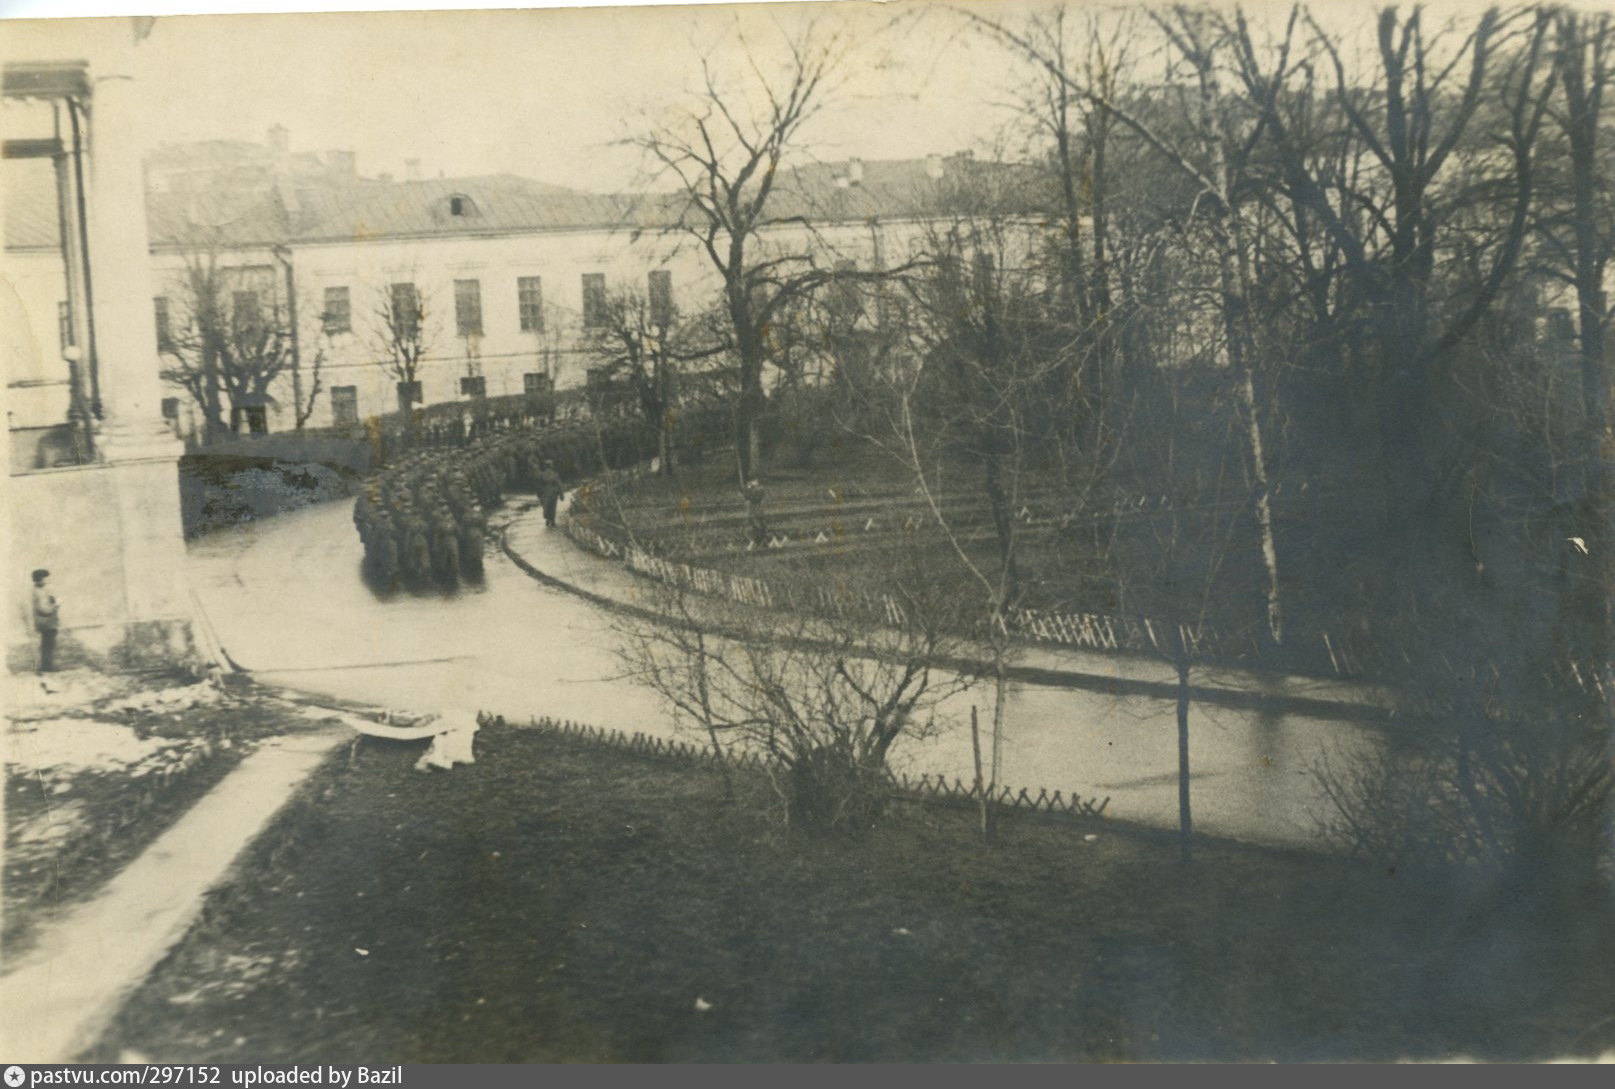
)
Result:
{"points": [[59, 997], [551, 556], [288, 601]]}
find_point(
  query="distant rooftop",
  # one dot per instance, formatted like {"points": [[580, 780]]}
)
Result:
{"points": [[246, 194]]}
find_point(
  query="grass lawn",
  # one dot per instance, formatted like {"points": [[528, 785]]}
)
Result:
{"points": [[852, 518], [561, 900], [862, 503]]}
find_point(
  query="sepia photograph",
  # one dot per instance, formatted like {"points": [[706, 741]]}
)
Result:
{"points": [[996, 531]]}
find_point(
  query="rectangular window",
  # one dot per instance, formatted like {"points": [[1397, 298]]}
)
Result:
{"points": [[594, 300], [534, 382], [845, 303], [170, 408], [344, 405], [410, 393], [474, 387], [986, 272], [530, 301], [254, 419], [660, 284], [468, 307], [406, 310], [245, 312], [338, 314], [165, 336]]}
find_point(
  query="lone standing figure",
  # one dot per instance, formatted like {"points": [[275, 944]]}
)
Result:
{"points": [[756, 520], [549, 492], [46, 610]]}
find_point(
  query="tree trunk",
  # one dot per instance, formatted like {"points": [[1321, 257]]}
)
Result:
{"points": [[212, 405], [1004, 529], [1185, 820], [1236, 317], [664, 444], [1583, 103], [1000, 700], [1264, 504], [1234, 277], [981, 783]]}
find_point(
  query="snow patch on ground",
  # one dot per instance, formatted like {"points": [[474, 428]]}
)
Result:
{"points": [[77, 744], [29, 696]]}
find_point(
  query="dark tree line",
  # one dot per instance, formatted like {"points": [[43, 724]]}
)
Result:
{"points": [[1302, 334]]}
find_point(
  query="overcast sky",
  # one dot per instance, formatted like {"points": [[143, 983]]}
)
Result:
{"points": [[545, 93], [538, 93]]}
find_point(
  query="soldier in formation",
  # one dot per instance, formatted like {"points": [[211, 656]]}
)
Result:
{"points": [[424, 518]]}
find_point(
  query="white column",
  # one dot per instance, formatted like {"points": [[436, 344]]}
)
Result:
{"points": [[120, 263], [138, 447]]}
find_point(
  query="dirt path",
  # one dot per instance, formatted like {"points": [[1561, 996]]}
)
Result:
{"points": [[60, 995]]}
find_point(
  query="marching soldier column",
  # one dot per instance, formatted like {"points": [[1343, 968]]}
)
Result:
{"points": [[425, 517]]}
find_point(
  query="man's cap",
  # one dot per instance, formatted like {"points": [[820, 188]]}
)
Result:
{"points": [[40, 573]]}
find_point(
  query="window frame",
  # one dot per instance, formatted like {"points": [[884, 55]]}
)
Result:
{"points": [[594, 300], [327, 325], [468, 308], [659, 294], [165, 328], [407, 319], [530, 303], [344, 398]]}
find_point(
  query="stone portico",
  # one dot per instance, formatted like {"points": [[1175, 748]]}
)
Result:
{"points": [[104, 518]]}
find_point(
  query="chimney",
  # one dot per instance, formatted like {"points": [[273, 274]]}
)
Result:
{"points": [[280, 140], [342, 166], [412, 170], [933, 167], [855, 171]]}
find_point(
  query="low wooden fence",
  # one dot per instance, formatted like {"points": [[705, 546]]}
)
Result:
{"points": [[1080, 630], [923, 788]]}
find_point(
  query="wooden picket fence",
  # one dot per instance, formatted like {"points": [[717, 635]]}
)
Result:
{"points": [[924, 788], [1336, 654], [1080, 630]]}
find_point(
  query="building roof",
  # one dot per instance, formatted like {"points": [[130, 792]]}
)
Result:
{"points": [[309, 210], [859, 190], [492, 204]]}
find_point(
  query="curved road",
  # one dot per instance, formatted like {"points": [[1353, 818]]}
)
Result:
{"points": [[285, 598]]}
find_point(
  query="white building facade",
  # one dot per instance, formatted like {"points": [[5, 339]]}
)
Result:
{"points": [[508, 277]]}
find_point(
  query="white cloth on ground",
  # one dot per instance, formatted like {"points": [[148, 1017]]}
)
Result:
{"points": [[453, 745]]}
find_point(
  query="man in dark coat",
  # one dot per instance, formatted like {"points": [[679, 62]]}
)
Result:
{"points": [[756, 520], [46, 618], [549, 491]]}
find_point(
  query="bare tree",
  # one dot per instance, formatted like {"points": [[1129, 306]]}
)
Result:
{"points": [[1450, 122], [1213, 156], [303, 410], [1170, 556], [827, 698], [1577, 245], [728, 159], [991, 404], [401, 335], [648, 342], [229, 338]]}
